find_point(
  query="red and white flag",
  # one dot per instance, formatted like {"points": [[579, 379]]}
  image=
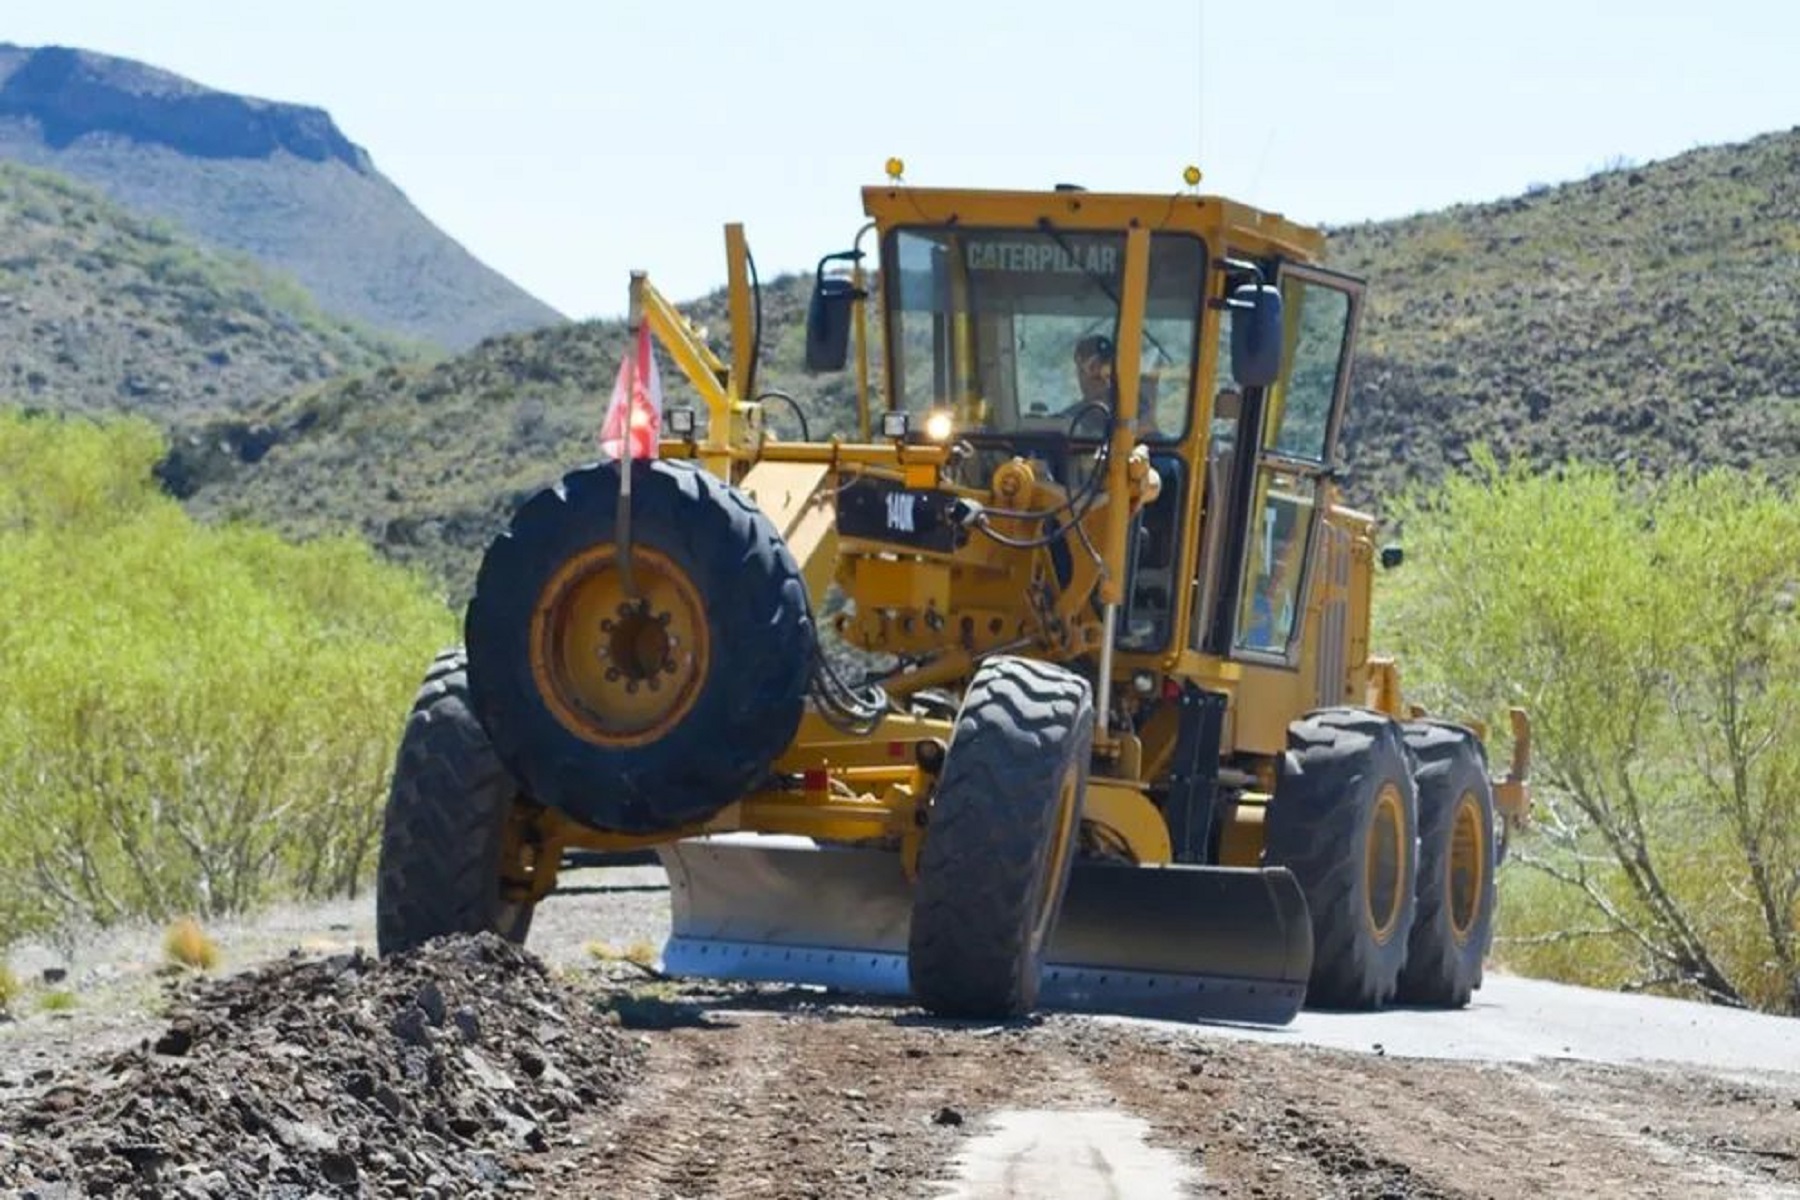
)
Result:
{"points": [[633, 422]]}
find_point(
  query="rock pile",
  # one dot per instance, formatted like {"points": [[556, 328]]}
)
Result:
{"points": [[429, 1073]]}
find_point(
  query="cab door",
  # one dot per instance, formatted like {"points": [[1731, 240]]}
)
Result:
{"points": [[1300, 417]]}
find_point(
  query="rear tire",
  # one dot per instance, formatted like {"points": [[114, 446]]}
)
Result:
{"points": [[639, 719], [1004, 826], [445, 824], [1455, 921], [1344, 820]]}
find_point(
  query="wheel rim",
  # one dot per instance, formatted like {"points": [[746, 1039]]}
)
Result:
{"points": [[1067, 802], [1384, 864], [615, 669], [1466, 868]]}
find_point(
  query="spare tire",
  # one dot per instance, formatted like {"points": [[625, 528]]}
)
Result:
{"points": [[646, 710]]}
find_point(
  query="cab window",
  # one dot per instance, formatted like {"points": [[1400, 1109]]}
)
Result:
{"points": [[1014, 329]]}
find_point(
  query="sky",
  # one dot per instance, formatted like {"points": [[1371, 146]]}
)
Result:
{"points": [[568, 143]]}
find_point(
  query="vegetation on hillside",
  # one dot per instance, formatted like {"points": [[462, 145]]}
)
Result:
{"points": [[428, 461], [1652, 629], [102, 311], [1646, 316], [191, 719]]}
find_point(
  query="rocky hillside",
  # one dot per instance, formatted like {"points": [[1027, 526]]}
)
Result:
{"points": [[1649, 316], [278, 182], [101, 311], [428, 460]]}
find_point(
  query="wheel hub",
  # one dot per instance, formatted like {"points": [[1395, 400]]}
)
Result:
{"points": [[1467, 867], [618, 668], [1385, 863]]}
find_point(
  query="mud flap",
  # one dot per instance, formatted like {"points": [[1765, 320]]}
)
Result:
{"points": [[1178, 943]]}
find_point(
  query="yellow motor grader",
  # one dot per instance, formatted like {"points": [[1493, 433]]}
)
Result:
{"points": [[1096, 721]]}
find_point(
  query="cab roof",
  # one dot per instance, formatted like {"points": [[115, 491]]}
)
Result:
{"points": [[1224, 223]]}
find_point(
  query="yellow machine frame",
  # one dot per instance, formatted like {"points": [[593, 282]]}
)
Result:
{"points": [[874, 788]]}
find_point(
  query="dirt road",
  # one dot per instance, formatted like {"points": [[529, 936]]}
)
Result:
{"points": [[867, 1102], [733, 1091]]}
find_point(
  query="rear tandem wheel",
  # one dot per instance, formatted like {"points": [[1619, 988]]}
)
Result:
{"points": [[1344, 820], [1455, 920]]}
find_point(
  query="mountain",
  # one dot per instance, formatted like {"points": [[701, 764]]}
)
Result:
{"points": [[278, 182], [1649, 315], [102, 312]]}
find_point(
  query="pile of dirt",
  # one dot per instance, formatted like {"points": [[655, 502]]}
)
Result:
{"points": [[438, 1072]]}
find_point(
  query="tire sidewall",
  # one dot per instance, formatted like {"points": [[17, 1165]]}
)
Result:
{"points": [[1441, 970], [1388, 763]]}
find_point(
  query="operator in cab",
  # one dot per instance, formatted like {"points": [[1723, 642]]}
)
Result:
{"points": [[1093, 371]]}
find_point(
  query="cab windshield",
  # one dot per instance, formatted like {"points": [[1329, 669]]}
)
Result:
{"points": [[1016, 330]]}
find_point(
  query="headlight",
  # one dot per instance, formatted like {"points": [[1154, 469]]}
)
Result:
{"points": [[939, 426], [895, 424]]}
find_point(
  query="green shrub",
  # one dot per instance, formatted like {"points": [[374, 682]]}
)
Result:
{"points": [[1651, 628], [192, 719]]}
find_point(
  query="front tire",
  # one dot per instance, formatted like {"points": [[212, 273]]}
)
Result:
{"points": [[1455, 921], [1344, 820], [997, 853], [444, 831]]}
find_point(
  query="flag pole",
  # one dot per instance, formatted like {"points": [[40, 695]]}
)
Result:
{"points": [[622, 532]]}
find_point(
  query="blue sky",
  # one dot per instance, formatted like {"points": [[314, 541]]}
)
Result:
{"points": [[567, 143]]}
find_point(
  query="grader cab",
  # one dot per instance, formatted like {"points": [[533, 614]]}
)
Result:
{"points": [[1096, 722]]}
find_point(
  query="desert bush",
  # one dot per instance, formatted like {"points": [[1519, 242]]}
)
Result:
{"points": [[186, 944], [1650, 627], [192, 719]]}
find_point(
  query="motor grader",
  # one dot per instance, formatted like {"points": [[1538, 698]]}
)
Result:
{"points": [[1095, 721]]}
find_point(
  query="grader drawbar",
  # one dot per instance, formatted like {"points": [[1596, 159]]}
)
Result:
{"points": [[1046, 680]]}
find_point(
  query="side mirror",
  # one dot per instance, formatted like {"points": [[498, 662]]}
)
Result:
{"points": [[828, 317], [1256, 330], [1392, 556]]}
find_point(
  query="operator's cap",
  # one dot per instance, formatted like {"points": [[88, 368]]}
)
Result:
{"points": [[1094, 345]]}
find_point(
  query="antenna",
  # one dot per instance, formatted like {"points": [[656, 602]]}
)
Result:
{"points": [[1200, 78]]}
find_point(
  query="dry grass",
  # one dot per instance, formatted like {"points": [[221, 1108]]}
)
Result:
{"points": [[640, 952], [187, 945]]}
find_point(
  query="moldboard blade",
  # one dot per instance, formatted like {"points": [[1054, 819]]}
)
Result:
{"points": [[1176, 943], [1181, 943]]}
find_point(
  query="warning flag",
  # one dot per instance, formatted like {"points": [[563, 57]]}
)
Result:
{"points": [[633, 422]]}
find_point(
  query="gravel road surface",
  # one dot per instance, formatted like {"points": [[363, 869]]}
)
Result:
{"points": [[683, 1089]]}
